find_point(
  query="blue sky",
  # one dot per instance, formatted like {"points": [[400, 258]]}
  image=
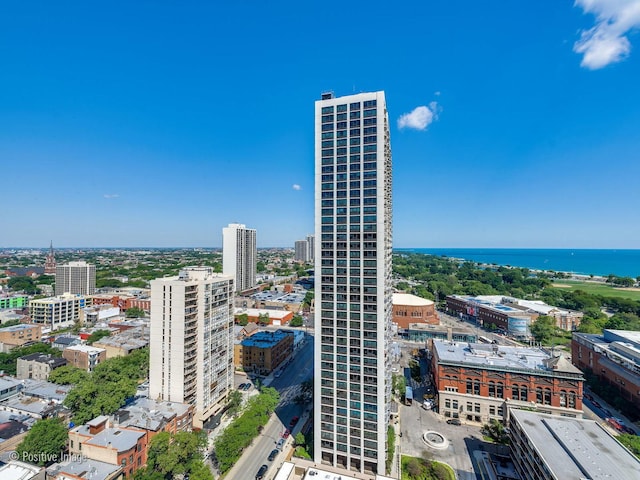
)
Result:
{"points": [[157, 123]]}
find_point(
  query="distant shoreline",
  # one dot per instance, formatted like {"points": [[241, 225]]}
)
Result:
{"points": [[578, 263]]}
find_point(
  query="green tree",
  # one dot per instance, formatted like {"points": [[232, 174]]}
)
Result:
{"points": [[25, 284], [391, 446], [296, 321], [624, 321], [239, 434], [399, 384], [8, 361], [234, 403], [97, 335], [496, 431], [68, 375], [263, 319], [242, 319], [45, 441], [106, 389], [632, 442], [171, 455], [261, 267], [135, 312], [299, 439], [543, 328]]}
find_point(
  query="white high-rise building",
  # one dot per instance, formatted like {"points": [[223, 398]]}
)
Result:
{"points": [[301, 251], [311, 244], [78, 278], [191, 343], [352, 391], [239, 255]]}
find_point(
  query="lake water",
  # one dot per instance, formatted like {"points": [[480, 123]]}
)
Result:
{"points": [[624, 263]]}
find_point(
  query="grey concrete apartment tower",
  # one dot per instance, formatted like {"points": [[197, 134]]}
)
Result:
{"points": [[77, 278], [353, 233], [191, 347], [239, 255]]}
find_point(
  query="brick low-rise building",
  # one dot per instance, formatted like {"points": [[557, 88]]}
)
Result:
{"points": [[263, 352], [122, 446], [614, 357], [476, 382], [490, 310], [84, 357], [124, 302], [19, 335], [411, 309]]}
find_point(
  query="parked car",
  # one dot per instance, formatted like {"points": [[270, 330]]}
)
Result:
{"points": [[454, 421], [294, 421], [273, 454], [280, 443], [261, 472], [286, 433]]}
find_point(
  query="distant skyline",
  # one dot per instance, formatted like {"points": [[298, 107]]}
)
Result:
{"points": [[156, 124]]}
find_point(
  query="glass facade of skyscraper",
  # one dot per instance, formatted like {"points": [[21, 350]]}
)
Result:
{"points": [[353, 281]]}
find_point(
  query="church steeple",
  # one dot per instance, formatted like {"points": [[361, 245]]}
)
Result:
{"points": [[50, 262]]}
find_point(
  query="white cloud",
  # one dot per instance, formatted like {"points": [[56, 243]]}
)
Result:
{"points": [[295, 186], [111, 195], [606, 42], [420, 117]]}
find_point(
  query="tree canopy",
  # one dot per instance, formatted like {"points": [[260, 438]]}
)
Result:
{"points": [[97, 335], [8, 361], [239, 434], [106, 389], [44, 443], [26, 284], [134, 312], [171, 455]]}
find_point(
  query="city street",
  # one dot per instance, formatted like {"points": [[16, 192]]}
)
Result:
{"points": [[288, 384]]}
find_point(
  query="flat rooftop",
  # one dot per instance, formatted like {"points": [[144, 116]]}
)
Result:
{"points": [[84, 468], [575, 448], [85, 349], [264, 339], [411, 300], [500, 356], [18, 328], [118, 438]]}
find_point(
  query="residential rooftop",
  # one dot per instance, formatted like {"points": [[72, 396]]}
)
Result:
{"points": [[45, 390], [44, 358], [264, 339], [502, 356], [15, 470], [120, 439], [149, 414], [18, 328], [576, 448], [84, 468], [85, 348]]}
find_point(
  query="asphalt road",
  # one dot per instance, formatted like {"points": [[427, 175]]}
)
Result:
{"points": [[289, 385]]}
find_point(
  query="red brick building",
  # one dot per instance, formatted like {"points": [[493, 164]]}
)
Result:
{"points": [[122, 446], [476, 382], [123, 302], [614, 357], [409, 309]]}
